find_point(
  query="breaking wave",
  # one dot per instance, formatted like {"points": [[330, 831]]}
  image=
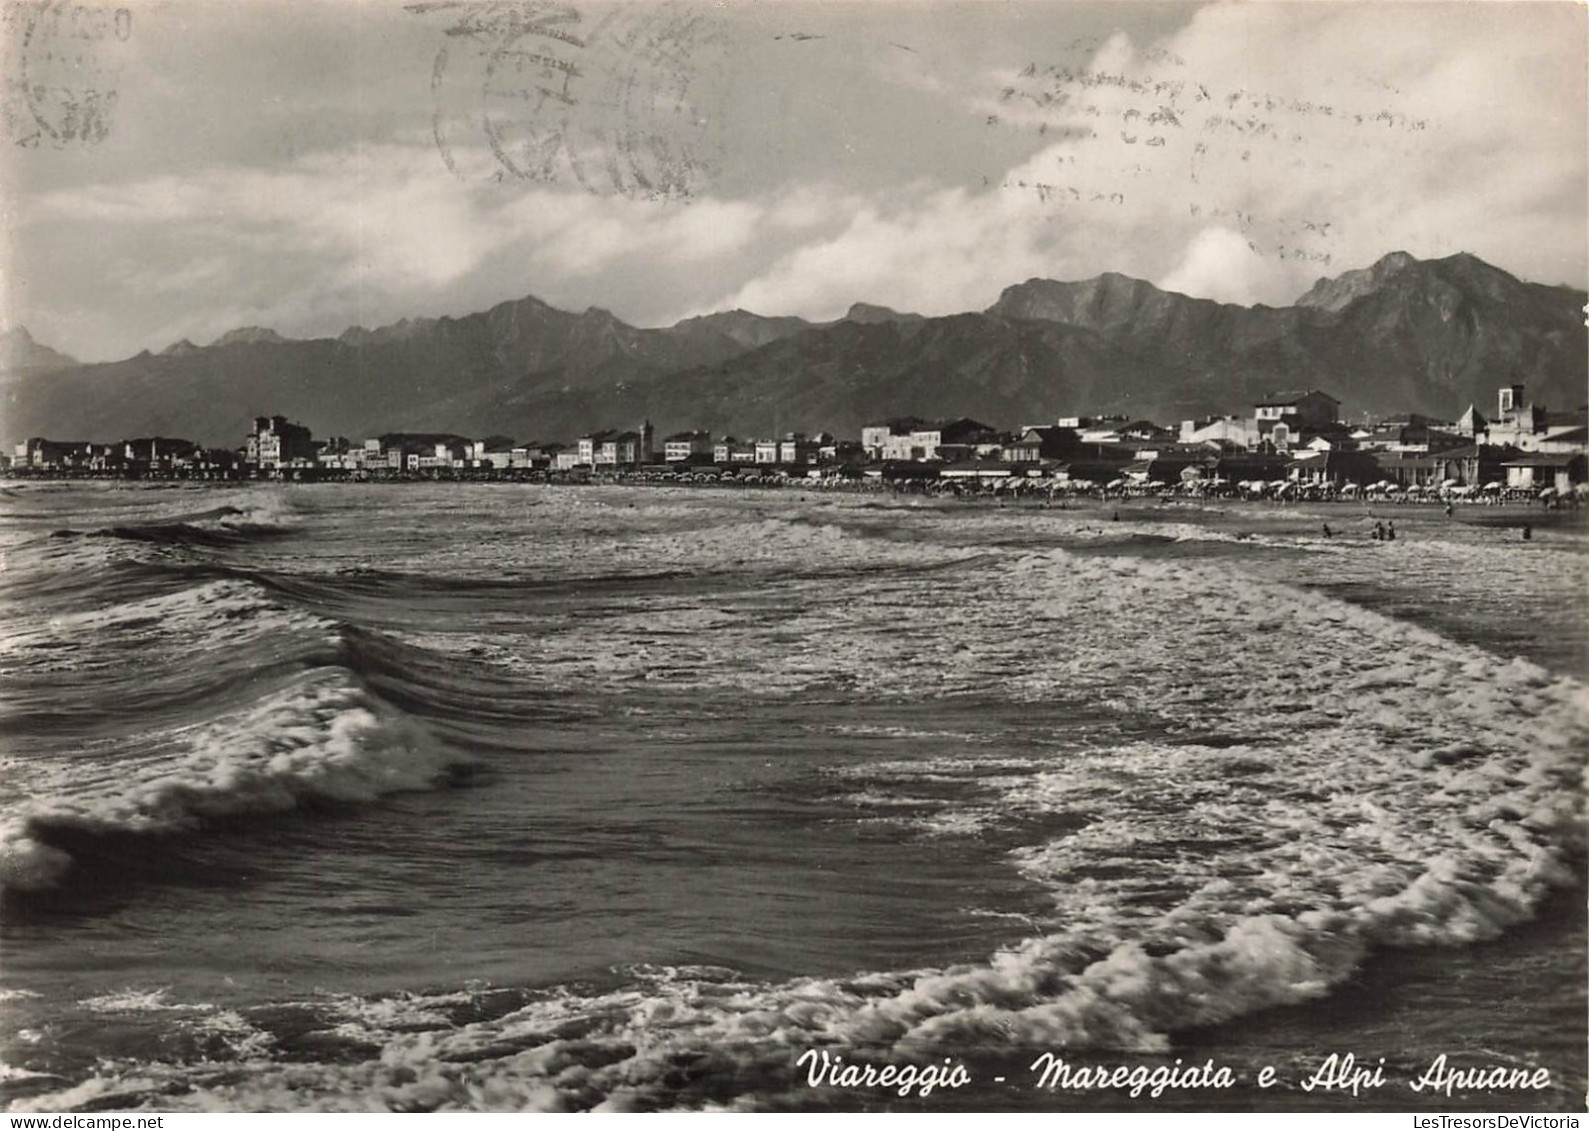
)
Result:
{"points": [[1333, 783], [215, 527], [321, 740], [287, 716]]}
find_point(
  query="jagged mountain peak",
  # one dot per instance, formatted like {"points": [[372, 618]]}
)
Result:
{"points": [[1336, 292], [249, 336], [527, 304], [745, 327], [738, 315], [179, 348], [1116, 279], [1107, 281], [1105, 302], [403, 330], [1463, 272], [872, 312], [20, 352]]}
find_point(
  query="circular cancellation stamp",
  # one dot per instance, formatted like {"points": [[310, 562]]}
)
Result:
{"points": [[618, 100], [63, 63]]}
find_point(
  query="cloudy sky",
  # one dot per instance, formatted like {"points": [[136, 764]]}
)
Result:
{"points": [[178, 168]]}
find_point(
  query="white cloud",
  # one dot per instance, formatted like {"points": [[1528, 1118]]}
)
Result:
{"points": [[374, 235], [1259, 148], [1240, 158], [934, 252], [1219, 264]]}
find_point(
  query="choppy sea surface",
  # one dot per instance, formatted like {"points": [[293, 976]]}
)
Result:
{"points": [[514, 797]]}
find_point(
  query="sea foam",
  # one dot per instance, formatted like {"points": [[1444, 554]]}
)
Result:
{"points": [[1325, 782], [320, 739]]}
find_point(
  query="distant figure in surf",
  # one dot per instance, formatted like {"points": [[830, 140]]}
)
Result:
{"points": [[1327, 530], [1116, 516], [1379, 531], [1390, 532], [1528, 531]]}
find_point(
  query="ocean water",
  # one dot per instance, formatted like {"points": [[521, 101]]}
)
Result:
{"points": [[514, 797]]}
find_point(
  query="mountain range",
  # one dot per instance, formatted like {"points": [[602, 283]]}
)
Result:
{"points": [[1403, 335], [21, 355]]}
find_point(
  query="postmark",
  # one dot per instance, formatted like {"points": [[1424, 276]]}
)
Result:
{"points": [[621, 101], [63, 64], [1155, 119]]}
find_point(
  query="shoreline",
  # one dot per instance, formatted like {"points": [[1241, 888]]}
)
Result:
{"points": [[1027, 492], [1139, 506]]}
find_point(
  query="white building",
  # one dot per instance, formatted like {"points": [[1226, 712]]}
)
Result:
{"points": [[682, 446]]}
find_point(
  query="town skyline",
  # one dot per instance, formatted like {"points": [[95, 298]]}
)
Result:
{"points": [[1292, 443]]}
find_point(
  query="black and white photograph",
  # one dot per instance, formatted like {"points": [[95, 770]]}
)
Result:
{"points": [[794, 556]]}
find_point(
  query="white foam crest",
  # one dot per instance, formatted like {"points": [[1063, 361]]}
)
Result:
{"points": [[375, 1018], [320, 739], [605, 536], [232, 1032], [624, 1049], [136, 1000], [225, 613], [242, 507], [1352, 708], [872, 730], [27, 863], [113, 1087], [272, 510], [772, 542], [1366, 749], [1109, 625]]}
